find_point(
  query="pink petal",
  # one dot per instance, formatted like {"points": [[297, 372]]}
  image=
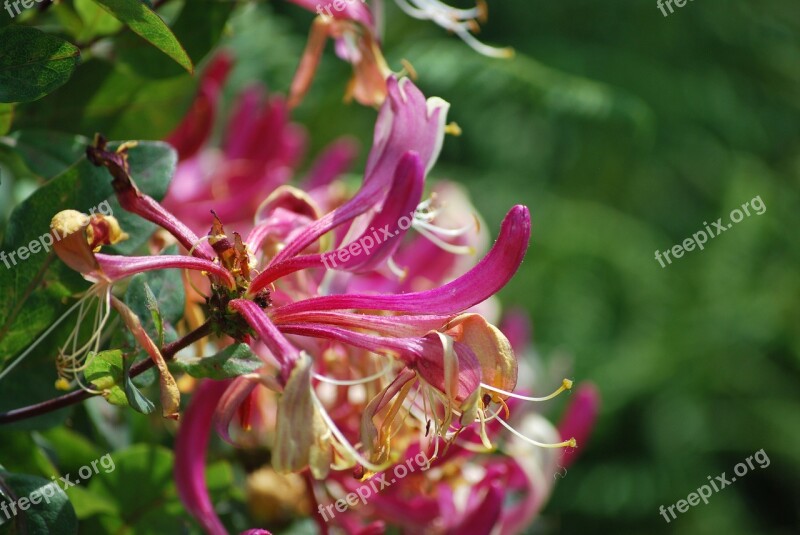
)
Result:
{"points": [[404, 197], [477, 285], [578, 420], [190, 455], [236, 393], [336, 159], [281, 348], [118, 267], [190, 136], [406, 122]]}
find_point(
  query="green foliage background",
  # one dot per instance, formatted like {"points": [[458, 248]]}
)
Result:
{"points": [[624, 131]]}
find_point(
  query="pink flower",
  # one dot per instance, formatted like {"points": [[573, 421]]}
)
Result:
{"points": [[426, 371]]}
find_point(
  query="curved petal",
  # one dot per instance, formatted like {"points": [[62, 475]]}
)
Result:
{"points": [[426, 355], [475, 286], [406, 122], [190, 136], [280, 347], [118, 267], [190, 455], [235, 394], [363, 253]]}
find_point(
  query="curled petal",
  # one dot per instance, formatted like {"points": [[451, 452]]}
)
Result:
{"points": [[395, 326], [475, 286], [75, 237], [190, 455], [234, 395], [498, 362], [118, 267]]}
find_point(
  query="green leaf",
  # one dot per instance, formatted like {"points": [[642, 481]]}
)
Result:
{"points": [[152, 306], [106, 372], [199, 27], [48, 153], [232, 361], [33, 290], [151, 504], [166, 294], [22, 454], [6, 117], [70, 449], [33, 63], [96, 21], [52, 514], [100, 98], [136, 399], [148, 25]]}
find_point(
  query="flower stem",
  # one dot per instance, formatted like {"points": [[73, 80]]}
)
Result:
{"points": [[169, 351]]}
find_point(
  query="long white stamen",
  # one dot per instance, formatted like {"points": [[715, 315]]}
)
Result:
{"points": [[450, 233], [341, 438], [449, 247], [42, 337], [566, 384], [339, 382], [567, 443]]}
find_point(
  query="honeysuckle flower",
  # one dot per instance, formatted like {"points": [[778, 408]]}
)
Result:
{"points": [[462, 22], [352, 26], [428, 372]]}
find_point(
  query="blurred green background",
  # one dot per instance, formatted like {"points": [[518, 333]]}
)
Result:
{"points": [[623, 131]]}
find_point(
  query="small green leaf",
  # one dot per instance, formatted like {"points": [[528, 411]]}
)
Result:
{"points": [[6, 117], [147, 24], [199, 27], [152, 306], [166, 294], [232, 361], [136, 399], [33, 63], [53, 513], [105, 372]]}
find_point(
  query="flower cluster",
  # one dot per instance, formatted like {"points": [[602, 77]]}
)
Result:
{"points": [[381, 357]]}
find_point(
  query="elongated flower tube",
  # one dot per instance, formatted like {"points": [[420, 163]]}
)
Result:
{"points": [[191, 445]]}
